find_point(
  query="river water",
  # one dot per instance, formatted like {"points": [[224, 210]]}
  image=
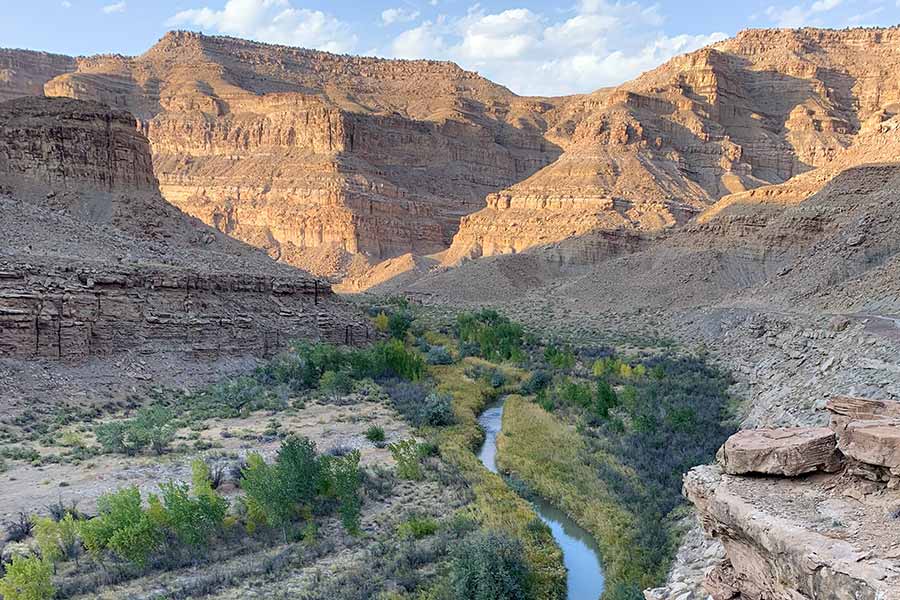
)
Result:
{"points": [[580, 553]]}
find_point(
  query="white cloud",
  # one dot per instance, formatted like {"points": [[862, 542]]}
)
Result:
{"points": [[118, 7], [800, 15], [398, 15], [274, 21], [66, 4], [601, 43]]}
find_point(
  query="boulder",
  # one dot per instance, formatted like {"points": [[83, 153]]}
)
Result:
{"points": [[789, 451], [874, 442]]}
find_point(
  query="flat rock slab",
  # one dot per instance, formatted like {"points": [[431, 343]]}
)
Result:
{"points": [[875, 442], [789, 451]]}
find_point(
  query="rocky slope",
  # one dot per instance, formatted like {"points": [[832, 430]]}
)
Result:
{"points": [[754, 110], [95, 262], [312, 156]]}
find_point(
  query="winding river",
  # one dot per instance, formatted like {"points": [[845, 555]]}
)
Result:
{"points": [[580, 554]]}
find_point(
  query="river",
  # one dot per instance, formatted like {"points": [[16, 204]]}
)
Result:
{"points": [[580, 553]]}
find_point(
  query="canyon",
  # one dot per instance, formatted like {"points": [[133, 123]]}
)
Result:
{"points": [[180, 214]]}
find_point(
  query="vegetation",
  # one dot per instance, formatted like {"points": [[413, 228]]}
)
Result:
{"points": [[494, 336], [491, 566], [640, 425], [375, 434], [151, 428], [28, 578]]}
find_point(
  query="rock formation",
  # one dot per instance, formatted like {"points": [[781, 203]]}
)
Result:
{"points": [[95, 262], [815, 537], [312, 156], [755, 110]]}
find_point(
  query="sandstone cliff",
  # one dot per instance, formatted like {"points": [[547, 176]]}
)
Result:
{"points": [[755, 110], [317, 157], [96, 262]]}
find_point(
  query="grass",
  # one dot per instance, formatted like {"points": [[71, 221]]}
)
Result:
{"points": [[496, 505], [549, 456]]}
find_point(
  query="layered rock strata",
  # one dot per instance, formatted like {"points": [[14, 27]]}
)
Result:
{"points": [[95, 261], [819, 536]]}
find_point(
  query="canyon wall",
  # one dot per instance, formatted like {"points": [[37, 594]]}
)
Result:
{"points": [[755, 110], [314, 157], [96, 263]]}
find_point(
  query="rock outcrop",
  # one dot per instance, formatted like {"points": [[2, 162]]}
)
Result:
{"points": [[785, 451], [95, 262], [819, 536]]}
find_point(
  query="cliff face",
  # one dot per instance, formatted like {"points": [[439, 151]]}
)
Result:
{"points": [[96, 262], [316, 157], [755, 110], [24, 73]]}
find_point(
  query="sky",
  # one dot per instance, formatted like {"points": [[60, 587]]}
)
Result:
{"points": [[533, 47]]}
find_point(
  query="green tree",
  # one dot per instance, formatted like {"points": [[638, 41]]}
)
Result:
{"points": [[57, 540], [381, 322], [266, 497], [399, 323], [121, 526], [193, 519], [490, 566], [346, 481], [28, 578]]}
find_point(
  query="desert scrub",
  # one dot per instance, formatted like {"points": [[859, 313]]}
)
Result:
{"points": [[375, 434], [496, 506]]}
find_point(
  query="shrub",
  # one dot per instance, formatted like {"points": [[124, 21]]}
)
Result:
{"points": [[606, 399], [193, 519], [438, 355], [19, 528], [436, 410], [152, 427], [57, 540], [537, 381], [406, 453], [375, 434], [496, 337], [417, 527], [381, 322], [336, 383], [559, 358], [490, 566], [399, 323], [28, 578], [121, 526]]}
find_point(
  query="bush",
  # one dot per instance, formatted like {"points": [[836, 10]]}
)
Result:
{"points": [[375, 434], [28, 578], [121, 526], [496, 337], [193, 519], [152, 428], [437, 410], [417, 527], [537, 381], [381, 322], [19, 528], [409, 460], [399, 323], [438, 355], [57, 540], [559, 358], [336, 383], [490, 566]]}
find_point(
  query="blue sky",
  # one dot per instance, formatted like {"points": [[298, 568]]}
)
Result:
{"points": [[533, 47]]}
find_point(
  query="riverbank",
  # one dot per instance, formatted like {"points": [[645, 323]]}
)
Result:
{"points": [[581, 555]]}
